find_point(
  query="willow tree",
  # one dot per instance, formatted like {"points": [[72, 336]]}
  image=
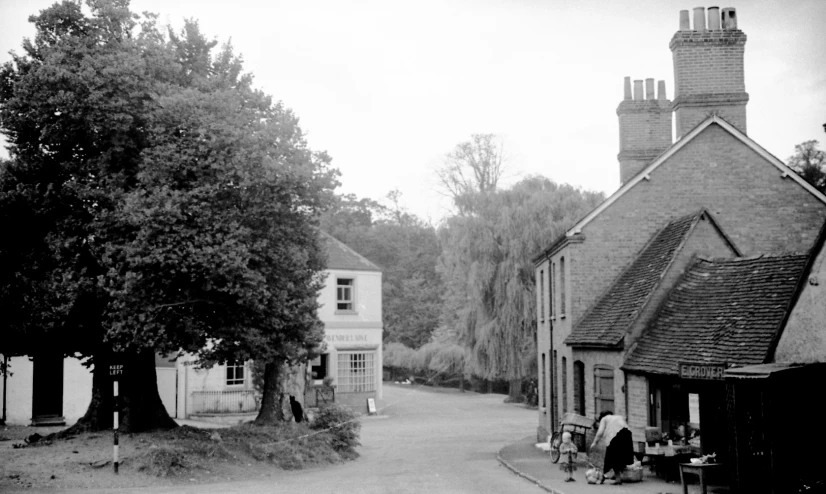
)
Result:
{"points": [[487, 266], [160, 203]]}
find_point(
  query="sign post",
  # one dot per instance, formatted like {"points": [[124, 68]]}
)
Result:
{"points": [[115, 371]]}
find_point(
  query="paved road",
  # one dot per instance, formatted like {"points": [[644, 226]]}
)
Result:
{"points": [[425, 440]]}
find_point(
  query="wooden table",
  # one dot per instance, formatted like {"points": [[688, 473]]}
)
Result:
{"points": [[698, 469]]}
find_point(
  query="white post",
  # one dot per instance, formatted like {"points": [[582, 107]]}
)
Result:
{"points": [[115, 423]]}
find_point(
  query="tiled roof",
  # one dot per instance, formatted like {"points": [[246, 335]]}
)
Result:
{"points": [[610, 318], [721, 311], [339, 256]]}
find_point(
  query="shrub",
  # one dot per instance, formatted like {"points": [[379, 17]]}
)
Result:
{"points": [[341, 425]]}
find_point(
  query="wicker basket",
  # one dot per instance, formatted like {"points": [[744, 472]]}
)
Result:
{"points": [[631, 475]]}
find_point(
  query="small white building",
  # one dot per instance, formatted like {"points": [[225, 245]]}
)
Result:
{"points": [[45, 389], [351, 310]]}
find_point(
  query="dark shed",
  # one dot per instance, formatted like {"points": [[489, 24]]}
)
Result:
{"points": [[775, 440]]}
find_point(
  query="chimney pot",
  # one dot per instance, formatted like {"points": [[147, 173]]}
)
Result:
{"points": [[714, 18], [661, 91], [627, 87], [684, 23], [699, 18], [730, 19], [649, 88], [638, 90]]}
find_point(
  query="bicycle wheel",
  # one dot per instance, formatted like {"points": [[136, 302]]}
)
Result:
{"points": [[556, 440]]}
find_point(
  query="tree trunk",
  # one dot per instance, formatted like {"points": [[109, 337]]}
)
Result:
{"points": [[462, 383], [281, 381], [140, 407], [515, 390]]}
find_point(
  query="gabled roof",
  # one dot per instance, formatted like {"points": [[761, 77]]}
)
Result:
{"points": [[339, 256], [610, 318], [644, 174], [721, 311]]}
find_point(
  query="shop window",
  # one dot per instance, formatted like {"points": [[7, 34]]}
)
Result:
{"points": [[564, 385], [579, 387], [356, 372], [603, 388], [235, 374], [562, 286], [318, 367], [344, 294], [544, 383], [542, 295]]}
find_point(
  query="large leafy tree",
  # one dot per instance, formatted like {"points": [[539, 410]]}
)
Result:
{"points": [[161, 203], [810, 163], [487, 267]]}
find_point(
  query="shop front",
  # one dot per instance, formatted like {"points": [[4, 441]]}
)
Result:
{"points": [[690, 408]]}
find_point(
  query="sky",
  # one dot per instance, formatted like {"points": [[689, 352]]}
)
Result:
{"points": [[388, 88]]}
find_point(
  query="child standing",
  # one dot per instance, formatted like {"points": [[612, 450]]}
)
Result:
{"points": [[568, 451]]}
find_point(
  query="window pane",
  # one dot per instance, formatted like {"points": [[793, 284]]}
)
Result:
{"points": [[356, 372]]}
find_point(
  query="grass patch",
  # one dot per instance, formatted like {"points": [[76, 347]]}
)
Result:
{"points": [[288, 446]]}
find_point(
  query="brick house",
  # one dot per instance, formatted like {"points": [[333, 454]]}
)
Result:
{"points": [[713, 193]]}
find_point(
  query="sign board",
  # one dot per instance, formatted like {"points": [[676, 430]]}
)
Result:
{"points": [[116, 370], [371, 406], [707, 372]]}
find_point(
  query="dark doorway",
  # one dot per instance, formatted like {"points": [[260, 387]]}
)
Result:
{"points": [[47, 389]]}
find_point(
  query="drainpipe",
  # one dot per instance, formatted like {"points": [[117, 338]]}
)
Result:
{"points": [[5, 386]]}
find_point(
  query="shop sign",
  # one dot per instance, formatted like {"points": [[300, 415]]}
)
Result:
{"points": [[346, 338], [708, 372]]}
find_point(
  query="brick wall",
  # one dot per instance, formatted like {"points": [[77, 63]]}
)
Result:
{"points": [[804, 337], [759, 210], [543, 346], [592, 358]]}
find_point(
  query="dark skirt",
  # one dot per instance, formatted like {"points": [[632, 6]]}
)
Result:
{"points": [[620, 452]]}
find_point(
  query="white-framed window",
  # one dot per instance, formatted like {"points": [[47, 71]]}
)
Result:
{"points": [[235, 374], [553, 290], [562, 287], [356, 372], [344, 294]]}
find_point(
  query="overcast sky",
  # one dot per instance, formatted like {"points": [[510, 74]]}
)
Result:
{"points": [[387, 88]]}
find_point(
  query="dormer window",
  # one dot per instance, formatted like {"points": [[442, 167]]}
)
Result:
{"points": [[344, 294]]}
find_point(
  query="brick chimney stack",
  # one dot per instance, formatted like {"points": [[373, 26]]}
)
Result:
{"points": [[708, 69], [644, 125]]}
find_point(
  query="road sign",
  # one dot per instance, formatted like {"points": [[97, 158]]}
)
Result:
{"points": [[116, 370]]}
